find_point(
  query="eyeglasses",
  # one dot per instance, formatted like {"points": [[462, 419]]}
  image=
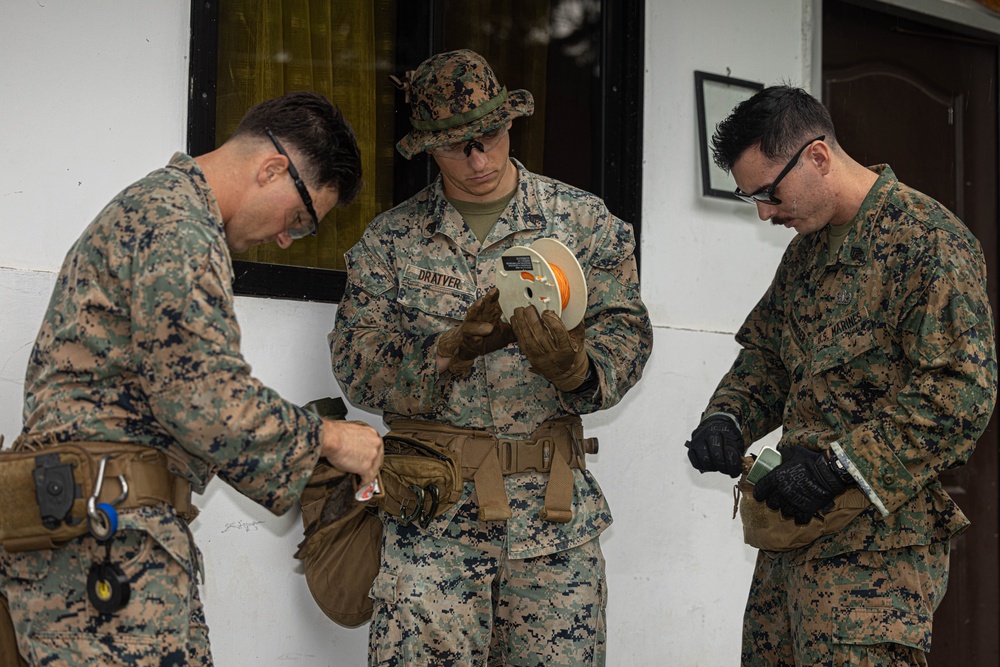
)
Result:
{"points": [[299, 229], [463, 149], [766, 195]]}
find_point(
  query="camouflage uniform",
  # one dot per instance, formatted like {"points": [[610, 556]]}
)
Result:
{"points": [[445, 593], [884, 354], [140, 345]]}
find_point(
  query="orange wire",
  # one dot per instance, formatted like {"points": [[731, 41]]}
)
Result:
{"points": [[562, 283]]}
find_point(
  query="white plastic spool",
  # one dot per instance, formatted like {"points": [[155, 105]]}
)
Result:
{"points": [[525, 277]]}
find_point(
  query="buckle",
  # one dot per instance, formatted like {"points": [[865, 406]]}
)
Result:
{"points": [[518, 456], [507, 454]]}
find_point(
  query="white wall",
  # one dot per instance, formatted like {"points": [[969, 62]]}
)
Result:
{"points": [[94, 96]]}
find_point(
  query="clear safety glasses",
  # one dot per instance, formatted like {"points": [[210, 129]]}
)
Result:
{"points": [[463, 149], [300, 228]]}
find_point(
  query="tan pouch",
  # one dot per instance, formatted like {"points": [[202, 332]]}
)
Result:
{"points": [[341, 550], [419, 481], [765, 528], [66, 474]]}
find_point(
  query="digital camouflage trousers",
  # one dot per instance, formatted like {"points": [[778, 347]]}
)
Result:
{"points": [[161, 624], [869, 608], [458, 600]]}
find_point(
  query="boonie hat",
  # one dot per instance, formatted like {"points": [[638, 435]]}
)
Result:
{"points": [[453, 97]]}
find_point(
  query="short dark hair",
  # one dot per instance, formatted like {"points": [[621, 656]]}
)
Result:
{"points": [[778, 119], [317, 129]]}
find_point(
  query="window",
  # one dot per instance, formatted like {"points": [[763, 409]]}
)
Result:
{"points": [[581, 60]]}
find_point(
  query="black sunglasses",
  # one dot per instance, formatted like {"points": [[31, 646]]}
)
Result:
{"points": [[299, 183], [766, 195]]}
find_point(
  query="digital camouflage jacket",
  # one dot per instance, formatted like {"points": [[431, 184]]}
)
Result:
{"points": [[415, 272], [883, 353], [140, 344]]}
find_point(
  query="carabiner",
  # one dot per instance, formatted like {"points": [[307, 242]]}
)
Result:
{"points": [[102, 517], [407, 519], [435, 494]]}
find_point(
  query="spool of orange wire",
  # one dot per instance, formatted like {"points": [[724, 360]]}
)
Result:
{"points": [[545, 275]]}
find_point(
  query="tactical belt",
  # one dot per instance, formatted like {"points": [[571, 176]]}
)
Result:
{"points": [[45, 493], [554, 448]]}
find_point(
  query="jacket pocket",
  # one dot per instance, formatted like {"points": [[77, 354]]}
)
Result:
{"points": [[886, 603], [431, 300], [385, 638], [841, 342], [858, 371]]}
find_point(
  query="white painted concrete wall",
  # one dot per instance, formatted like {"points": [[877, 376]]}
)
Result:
{"points": [[93, 96]]}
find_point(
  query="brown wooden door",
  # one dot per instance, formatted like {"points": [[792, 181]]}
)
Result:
{"points": [[924, 100]]}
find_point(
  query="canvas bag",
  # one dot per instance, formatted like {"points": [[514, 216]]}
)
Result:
{"points": [[343, 538], [341, 551]]}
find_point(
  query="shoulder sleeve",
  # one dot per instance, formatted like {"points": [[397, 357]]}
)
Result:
{"points": [[198, 384], [945, 327], [368, 270], [619, 333], [756, 387]]}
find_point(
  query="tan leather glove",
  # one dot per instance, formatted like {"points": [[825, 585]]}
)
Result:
{"points": [[555, 353], [481, 332]]}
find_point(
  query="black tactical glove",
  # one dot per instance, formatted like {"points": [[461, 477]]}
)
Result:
{"points": [[804, 484], [717, 445]]}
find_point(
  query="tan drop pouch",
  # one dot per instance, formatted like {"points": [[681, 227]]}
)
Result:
{"points": [[765, 528]]}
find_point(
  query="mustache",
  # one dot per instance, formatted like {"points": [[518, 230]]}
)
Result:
{"points": [[776, 221]]}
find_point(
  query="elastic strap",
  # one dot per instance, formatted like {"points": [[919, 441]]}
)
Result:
{"points": [[464, 118]]}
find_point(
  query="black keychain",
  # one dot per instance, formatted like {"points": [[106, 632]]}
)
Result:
{"points": [[107, 585]]}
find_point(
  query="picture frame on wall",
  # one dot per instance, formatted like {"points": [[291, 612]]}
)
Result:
{"points": [[717, 95]]}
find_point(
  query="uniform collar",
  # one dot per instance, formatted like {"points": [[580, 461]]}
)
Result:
{"points": [[521, 213], [190, 167], [855, 249]]}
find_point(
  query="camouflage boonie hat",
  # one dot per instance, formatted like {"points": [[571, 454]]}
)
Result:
{"points": [[453, 97]]}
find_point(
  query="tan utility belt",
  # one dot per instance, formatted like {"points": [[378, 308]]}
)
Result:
{"points": [[555, 448], [48, 496]]}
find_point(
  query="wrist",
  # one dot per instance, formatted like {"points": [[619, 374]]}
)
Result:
{"points": [[329, 440], [590, 380], [725, 417]]}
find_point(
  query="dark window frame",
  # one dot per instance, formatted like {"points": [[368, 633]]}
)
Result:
{"points": [[619, 165]]}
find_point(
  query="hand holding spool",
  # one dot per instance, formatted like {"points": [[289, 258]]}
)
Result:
{"points": [[551, 335], [545, 275]]}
